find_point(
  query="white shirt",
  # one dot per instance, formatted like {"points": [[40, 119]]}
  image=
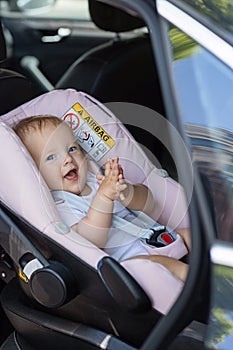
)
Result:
{"points": [[120, 245]]}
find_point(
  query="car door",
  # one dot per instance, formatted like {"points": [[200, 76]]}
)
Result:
{"points": [[199, 56], [48, 40]]}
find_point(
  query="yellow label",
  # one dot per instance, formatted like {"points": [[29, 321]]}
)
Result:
{"points": [[22, 276], [99, 131]]}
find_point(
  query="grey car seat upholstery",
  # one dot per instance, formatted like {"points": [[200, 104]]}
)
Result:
{"points": [[12, 82]]}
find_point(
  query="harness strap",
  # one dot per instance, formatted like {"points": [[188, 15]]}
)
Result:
{"points": [[152, 233]]}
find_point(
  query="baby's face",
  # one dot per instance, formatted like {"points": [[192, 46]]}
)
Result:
{"points": [[59, 158]]}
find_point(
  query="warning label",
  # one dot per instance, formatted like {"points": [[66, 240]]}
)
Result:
{"points": [[90, 135], [72, 120]]}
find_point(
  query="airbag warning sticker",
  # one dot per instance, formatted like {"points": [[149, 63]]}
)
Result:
{"points": [[90, 135]]}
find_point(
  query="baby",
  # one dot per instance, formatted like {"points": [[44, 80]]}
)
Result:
{"points": [[64, 167]]}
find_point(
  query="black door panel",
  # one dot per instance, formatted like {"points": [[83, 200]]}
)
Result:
{"points": [[41, 38]]}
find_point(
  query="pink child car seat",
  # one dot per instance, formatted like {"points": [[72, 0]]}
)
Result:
{"points": [[27, 199]]}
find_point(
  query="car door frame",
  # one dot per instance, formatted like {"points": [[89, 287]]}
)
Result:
{"points": [[184, 310]]}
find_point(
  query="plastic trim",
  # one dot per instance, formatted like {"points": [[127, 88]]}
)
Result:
{"points": [[222, 254]]}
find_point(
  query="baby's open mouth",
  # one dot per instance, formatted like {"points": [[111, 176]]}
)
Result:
{"points": [[72, 175]]}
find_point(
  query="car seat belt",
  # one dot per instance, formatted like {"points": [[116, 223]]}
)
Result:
{"points": [[152, 233]]}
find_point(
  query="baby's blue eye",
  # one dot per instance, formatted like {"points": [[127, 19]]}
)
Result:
{"points": [[72, 149], [50, 157]]}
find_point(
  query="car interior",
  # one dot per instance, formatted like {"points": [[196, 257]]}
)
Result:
{"points": [[11, 79], [85, 307]]}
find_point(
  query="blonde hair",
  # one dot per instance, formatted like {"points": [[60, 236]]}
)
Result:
{"points": [[35, 123]]}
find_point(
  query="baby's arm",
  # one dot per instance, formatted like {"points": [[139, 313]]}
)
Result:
{"points": [[135, 197], [186, 235], [95, 225], [138, 197], [178, 268]]}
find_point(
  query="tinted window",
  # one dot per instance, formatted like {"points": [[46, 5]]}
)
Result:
{"points": [[218, 15], [204, 88]]}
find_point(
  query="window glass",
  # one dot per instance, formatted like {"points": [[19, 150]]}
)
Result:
{"points": [[63, 9], [217, 13], [204, 86], [74, 9]]}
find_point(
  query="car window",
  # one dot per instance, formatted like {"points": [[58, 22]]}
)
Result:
{"points": [[62, 9], [217, 14], [203, 86]]}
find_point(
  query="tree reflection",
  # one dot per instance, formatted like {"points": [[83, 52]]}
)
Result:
{"points": [[183, 46], [220, 11], [222, 326], [221, 321]]}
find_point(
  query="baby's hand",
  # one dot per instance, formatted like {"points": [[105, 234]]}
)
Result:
{"points": [[100, 178], [121, 187], [112, 183], [121, 184], [110, 162]]}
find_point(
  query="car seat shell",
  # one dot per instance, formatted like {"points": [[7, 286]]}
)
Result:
{"points": [[37, 207]]}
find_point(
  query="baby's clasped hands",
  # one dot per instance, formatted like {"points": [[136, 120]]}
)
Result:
{"points": [[112, 183]]}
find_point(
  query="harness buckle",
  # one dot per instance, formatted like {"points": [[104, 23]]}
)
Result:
{"points": [[161, 237]]}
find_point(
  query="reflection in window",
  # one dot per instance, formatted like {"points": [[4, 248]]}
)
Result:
{"points": [[218, 13], [220, 330], [204, 88]]}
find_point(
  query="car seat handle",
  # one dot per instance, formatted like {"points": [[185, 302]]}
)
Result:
{"points": [[123, 288]]}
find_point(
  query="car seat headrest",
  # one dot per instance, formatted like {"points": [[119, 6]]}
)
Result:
{"points": [[2, 44], [112, 19]]}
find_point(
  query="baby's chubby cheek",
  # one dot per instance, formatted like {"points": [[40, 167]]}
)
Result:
{"points": [[53, 181]]}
